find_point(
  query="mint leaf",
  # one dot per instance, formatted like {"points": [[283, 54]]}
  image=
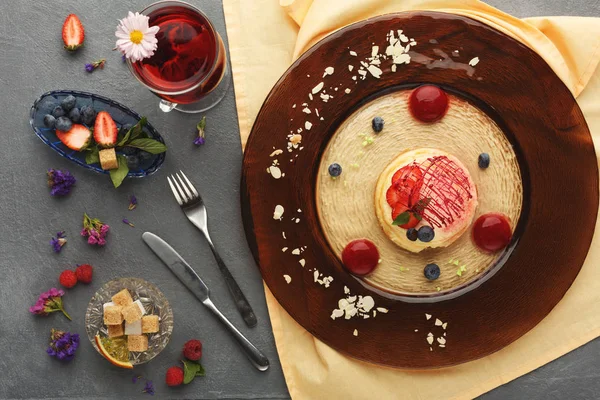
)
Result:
{"points": [[92, 157], [133, 133], [191, 369], [200, 371], [421, 204], [117, 175], [402, 218], [150, 145], [137, 129]]}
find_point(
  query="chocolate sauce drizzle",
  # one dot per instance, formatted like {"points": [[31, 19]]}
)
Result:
{"points": [[446, 187]]}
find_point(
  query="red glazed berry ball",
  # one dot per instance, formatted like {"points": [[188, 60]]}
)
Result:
{"points": [[360, 257], [428, 103]]}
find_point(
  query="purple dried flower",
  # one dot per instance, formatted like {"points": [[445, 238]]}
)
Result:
{"points": [[200, 140], [123, 58], [136, 378], [132, 202], [63, 345], [148, 388], [49, 302], [60, 182], [90, 67], [126, 221], [94, 230], [58, 242]]}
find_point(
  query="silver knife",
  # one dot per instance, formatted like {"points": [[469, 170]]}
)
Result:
{"points": [[196, 285]]}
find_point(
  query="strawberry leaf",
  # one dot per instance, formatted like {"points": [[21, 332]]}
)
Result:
{"points": [[402, 218]]}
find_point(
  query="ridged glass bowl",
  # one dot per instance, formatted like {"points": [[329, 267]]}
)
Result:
{"points": [[121, 114], [154, 302]]}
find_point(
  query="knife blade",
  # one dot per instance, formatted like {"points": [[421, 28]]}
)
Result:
{"points": [[186, 274], [177, 265]]}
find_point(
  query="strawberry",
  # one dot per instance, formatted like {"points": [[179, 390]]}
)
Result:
{"points": [[105, 130], [407, 181], [73, 33], [77, 138], [412, 220]]}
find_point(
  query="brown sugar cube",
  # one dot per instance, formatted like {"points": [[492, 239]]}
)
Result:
{"points": [[115, 330], [137, 343], [150, 324], [123, 298], [108, 159], [112, 315], [132, 313]]}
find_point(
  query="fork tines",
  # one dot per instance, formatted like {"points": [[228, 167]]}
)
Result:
{"points": [[185, 192]]}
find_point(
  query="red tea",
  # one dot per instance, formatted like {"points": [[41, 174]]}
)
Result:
{"points": [[190, 53]]}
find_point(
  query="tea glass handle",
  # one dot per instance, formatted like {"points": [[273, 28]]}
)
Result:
{"points": [[166, 106]]}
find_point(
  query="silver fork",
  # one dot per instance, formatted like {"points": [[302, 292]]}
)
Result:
{"points": [[192, 205]]}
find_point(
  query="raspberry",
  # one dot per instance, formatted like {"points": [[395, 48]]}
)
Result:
{"points": [[84, 273], [192, 350], [174, 376], [68, 278]]}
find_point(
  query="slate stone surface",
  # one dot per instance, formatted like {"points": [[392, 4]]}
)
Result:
{"points": [[32, 62]]}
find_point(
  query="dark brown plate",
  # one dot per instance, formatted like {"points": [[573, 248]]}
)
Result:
{"points": [[558, 166]]}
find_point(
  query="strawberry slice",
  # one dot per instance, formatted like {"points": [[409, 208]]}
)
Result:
{"points": [[396, 197], [105, 130], [408, 181], [78, 138], [73, 33], [412, 220]]}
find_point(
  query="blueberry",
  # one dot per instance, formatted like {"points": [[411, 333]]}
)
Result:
{"points": [[483, 160], [49, 121], [432, 272], [144, 155], [133, 162], [63, 124], [425, 234], [75, 115], [412, 234], [58, 112], [377, 124], [130, 151], [68, 103], [335, 170], [47, 105], [88, 115]]}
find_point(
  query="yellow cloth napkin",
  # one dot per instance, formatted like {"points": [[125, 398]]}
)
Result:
{"points": [[264, 37]]}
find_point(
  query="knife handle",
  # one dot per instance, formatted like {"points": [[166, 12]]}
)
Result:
{"points": [[260, 361], [238, 296]]}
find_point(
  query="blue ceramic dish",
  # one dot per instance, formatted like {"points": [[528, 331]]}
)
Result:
{"points": [[121, 115]]}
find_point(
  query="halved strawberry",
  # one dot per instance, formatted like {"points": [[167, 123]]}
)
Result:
{"points": [[412, 220], [73, 33], [105, 130], [78, 138]]}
